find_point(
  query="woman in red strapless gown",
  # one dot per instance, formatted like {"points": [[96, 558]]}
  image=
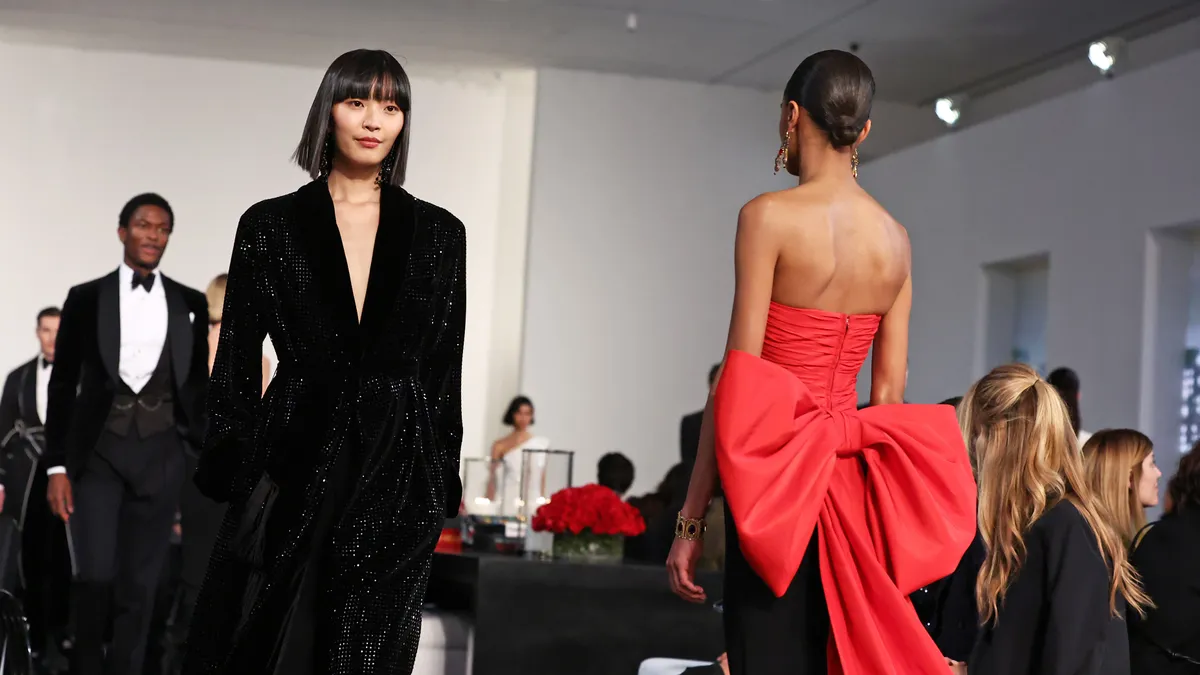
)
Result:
{"points": [[834, 515]]}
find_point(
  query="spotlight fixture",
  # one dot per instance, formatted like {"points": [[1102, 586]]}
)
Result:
{"points": [[948, 110], [631, 22], [1106, 53]]}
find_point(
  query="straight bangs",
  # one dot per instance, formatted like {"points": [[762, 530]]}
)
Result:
{"points": [[372, 78], [367, 74]]}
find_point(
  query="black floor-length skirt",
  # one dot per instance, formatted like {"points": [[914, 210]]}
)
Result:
{"points": [[766, 635]]}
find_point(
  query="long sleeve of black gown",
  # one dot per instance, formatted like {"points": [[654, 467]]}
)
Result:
{"points": [[442, 371], [1055, 618], [235, 387]]}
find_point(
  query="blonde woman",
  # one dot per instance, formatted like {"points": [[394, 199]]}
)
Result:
{"points": [[1055, 582], [216, 301], [1120, 469]]}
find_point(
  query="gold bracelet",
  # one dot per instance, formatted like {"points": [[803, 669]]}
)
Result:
{"points": [[690, 529]]}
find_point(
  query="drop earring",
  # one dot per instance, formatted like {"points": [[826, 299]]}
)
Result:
{"points": [[782, 156], [854, 163], [325, 161], [385, 168]]}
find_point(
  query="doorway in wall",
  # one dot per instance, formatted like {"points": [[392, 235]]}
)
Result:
{"points": [[1016, 311], [1169, 410]]}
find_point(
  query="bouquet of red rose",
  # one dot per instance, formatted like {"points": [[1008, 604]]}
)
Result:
{"points": [[588, 508]]}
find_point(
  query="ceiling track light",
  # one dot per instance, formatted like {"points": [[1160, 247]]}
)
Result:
{"points": [[949, 109], [1106, 54]]}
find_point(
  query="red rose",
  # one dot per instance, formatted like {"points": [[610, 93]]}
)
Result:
{"points": [[588, 508]]}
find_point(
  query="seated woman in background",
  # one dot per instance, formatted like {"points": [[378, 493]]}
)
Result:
{"points": [[1054, 584], [216, 303], [1167, 640], [1120, 468], [505, 483]]}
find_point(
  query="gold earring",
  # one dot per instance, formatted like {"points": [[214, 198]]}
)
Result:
{"points": [[782, 155], [854, 163]]}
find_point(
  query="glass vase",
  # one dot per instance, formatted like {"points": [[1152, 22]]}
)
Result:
{"points": [[589, 548]]}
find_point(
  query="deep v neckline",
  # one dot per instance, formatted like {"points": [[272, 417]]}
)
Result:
{"points": [[391, 254], [371, 273]]}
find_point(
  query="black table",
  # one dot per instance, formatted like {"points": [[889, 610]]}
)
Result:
{"points": [[537, 617]]}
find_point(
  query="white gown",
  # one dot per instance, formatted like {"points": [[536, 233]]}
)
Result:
{"points": [[508, 477]]}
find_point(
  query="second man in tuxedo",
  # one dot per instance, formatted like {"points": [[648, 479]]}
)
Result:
{"points": [[125, 404]]}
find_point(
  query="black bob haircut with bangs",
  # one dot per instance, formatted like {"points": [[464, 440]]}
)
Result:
{"points": [[364, 74]]}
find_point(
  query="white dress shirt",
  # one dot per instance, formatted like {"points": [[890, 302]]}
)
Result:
{"points": [[143, 332], [43, 385], [143, 329]]}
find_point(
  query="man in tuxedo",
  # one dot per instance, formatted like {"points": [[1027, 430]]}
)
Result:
{"points": [[689, 427], [126, 403], [38, 542]]}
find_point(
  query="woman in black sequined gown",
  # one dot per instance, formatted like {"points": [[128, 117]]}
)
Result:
{"points": [[340, 478]]}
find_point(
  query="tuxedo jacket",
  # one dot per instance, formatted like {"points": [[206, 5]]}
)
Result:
{"points": [[18, 403], [19, 400], [86, 361]]}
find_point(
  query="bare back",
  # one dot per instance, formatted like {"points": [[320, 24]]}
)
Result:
{"points": [[839, 251], [825, 246]]}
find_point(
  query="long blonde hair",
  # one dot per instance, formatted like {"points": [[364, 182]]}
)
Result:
{"points": [[216, 297], [1025, 456], [1112, 460]]}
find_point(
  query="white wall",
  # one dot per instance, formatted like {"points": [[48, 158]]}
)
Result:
{"points": [[1083, 178], [636, 189], [82, 131]]}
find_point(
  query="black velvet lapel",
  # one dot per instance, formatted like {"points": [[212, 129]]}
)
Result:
{"points": [[108, 324], [389, 260], [179, 331], [328, 256]]}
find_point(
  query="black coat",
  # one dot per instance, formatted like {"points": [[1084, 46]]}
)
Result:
{"points": [[1167, 640], [87, 356], [386, 390]]}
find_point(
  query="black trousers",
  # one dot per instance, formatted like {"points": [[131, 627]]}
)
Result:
{"points": [[766, 635], [122, 535], [200, 520]]}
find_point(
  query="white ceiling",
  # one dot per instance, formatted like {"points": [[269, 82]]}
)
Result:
{"points": [[919, 49]]}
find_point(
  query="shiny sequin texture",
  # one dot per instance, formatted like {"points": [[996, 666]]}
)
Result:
{"points": [[340, 476]]}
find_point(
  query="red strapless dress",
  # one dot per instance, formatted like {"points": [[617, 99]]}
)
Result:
{"points": [[888, 489]]}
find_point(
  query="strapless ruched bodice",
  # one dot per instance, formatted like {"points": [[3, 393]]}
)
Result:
{"points": [[888, 489], [824, 350]]}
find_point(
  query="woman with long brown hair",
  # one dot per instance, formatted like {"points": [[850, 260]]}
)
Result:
{"points": [[1056, 580], [1120, 469]]}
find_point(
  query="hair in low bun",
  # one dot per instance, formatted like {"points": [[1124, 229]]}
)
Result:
{"points": [[836, 89]]}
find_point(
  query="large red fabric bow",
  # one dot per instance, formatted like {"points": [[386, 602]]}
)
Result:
{"points": [[888, 490]]}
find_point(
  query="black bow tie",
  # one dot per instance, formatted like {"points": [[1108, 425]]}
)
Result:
{"points": [[145, 281], [47, 364]]}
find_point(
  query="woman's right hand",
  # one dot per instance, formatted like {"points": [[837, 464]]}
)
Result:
{"points": [[681, 569]]}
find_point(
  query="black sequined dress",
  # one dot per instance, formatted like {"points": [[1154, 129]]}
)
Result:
{"points": [[340, 477]]}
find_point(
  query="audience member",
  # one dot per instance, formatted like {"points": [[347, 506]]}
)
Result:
{"points": [[1120, 467], [615, 472], [947, 606], [689, 426], [1166, 641], [1066, 382], [652, 545], [1055, 580]]}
